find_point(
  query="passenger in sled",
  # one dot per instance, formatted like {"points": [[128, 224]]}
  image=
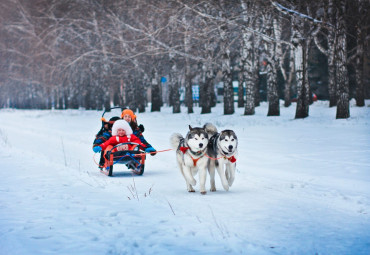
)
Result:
{"points": [[103, 135], [121, 133], [123, 147], [106, 132], [130, 117]]}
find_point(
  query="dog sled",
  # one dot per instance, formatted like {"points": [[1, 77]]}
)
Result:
{"points": [[130, 154]]}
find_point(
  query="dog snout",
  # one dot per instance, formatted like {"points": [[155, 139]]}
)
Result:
{"points": [[230, 147], [200, 145]]}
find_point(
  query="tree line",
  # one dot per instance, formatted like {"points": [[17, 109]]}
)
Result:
{"points": [[95, 53]]}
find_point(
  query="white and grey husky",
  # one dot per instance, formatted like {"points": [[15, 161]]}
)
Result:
{"points": [[222, 148], [191, 154]]}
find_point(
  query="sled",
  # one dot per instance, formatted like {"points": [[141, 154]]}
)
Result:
{"points": [[130, 154]]}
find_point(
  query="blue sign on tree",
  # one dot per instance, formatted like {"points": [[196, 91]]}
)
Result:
{"points": [[163, 79]]}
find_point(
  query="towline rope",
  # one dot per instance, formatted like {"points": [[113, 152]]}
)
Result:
{"points": [[139, 154], [213, 158]]}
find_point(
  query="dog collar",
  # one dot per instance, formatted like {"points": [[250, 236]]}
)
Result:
{"points": [[232, 159], [184, 149]]}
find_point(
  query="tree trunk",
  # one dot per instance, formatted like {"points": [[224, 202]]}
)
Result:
{"points": [[249, 56], [272, 92], [207, 89], [188, 90], [302, 81], [332, 79], [174, 85], [228, 85], [241, 100], [248, 70], [360, 50], [289, 80], [226, 72], [141, 95], [341, 63], [176, 98], [156, 93], [274, 54]]}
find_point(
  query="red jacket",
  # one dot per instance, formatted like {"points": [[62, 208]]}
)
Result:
{"points": [[114, 140]]}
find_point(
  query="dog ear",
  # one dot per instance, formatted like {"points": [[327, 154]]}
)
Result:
{"points": [[190, 128]]}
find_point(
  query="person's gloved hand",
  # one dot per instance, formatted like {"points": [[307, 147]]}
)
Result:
{"points": [[97, 149], [151, 150], [141, 127]]}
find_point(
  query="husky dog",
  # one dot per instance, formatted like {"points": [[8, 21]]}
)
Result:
{"points": [[222, 148], [190, 154]]}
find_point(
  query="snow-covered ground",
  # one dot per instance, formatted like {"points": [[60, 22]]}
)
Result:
{"points": [[302, 187]]}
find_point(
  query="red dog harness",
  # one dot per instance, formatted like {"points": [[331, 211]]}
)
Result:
{"points": [[184, 149]]}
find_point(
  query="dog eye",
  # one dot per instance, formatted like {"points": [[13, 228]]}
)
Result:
{"points": [[232, 140]]}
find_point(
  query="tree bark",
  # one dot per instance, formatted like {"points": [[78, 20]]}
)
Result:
{"points": [[207, 90], [156, 93], [302, 81], [341, 63], [362, 25], [174, 85]]}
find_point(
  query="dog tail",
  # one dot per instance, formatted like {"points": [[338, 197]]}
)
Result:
{"points": [[175, 140], [210, 129]]}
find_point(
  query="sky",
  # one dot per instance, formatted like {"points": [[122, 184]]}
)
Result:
{"points": [[302, 186]]}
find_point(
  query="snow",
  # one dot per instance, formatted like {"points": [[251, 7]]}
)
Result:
{"points": [[302, 186]]}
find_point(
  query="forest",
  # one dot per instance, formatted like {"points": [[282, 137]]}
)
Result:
{"points": [[93, 54]]}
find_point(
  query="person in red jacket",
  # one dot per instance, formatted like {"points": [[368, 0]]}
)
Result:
{"points": [[129, 116], [121, 133]]}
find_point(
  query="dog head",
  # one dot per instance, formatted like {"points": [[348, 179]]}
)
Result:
{"points": [[197, 139], [228, 142]]}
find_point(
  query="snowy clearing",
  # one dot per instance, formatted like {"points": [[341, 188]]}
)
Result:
{"points": [[302, 187]]}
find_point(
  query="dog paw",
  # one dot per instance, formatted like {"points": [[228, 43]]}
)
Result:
{"points": [[203, 192], [191, 190], [213, 189], [226, 187]]}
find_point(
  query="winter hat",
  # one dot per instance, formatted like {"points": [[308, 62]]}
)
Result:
{"points": [[111, 120], [129, 112], [114, 119], [121, 124]]}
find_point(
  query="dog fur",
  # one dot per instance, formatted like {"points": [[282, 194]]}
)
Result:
{"points": [[191, 154], [222, 148]]}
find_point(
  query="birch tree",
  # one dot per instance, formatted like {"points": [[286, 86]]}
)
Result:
{"points": [[359, 19], [249, 55], [272, 57], [341, 63]]}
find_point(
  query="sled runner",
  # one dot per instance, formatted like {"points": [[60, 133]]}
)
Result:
{"points": [[130, 154]]}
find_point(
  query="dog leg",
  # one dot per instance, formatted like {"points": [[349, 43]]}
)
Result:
{"points": [[231, 174], [189, 176], [211, 170], [221, 173], [202, 180], [190, 188]]}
